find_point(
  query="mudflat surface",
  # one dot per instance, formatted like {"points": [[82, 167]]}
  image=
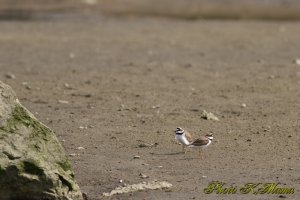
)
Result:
{"points": [[110, 84]]}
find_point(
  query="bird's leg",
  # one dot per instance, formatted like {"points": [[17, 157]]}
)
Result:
{"points": [[183, 149], [200, 154]]}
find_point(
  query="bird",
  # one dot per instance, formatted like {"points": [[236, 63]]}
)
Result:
{"points": [[199, 143], [184, 141]]}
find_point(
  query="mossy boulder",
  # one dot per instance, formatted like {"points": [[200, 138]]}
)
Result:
{"points": [[33, 164]]}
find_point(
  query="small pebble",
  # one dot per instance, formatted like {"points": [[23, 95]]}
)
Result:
{"points": [[72, 154], [204, 176], [143, 176], [90, 106], [136, 157], [146, 164], [120, 181], [271, 77], [10, 76], [68, 86], [85, 196], [143, 145], [160, 166], [291, 168], [297, 61], [282, 196], [80, 148], [63, 101], [244, 105], [209, 116], [27, 87]]}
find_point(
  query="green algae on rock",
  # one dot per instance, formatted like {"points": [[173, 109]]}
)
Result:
{"points": [[33, 164]]}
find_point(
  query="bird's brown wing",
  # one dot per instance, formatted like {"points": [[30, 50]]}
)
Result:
{"points": [[188, 136], [200, 141]]}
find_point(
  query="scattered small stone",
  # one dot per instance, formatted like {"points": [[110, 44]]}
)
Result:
{"points": [[10, 76], [72, 154], [157, 106], [291, 168], [63, 101], [271, 77], [160, 166], [204, 176], [209, 116], [282, 196], [120, 181], [143, 145], [297, 61], [81, 95], [27, 87], [143, 176], [68, 86], [244, 105], [187, 65], [88, 82], [266, 130], [84, 196], [90, 106], [80, 148], [82, 127], [136, 157]]}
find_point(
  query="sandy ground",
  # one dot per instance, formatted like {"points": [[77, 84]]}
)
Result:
{"points": [[133, 80]]}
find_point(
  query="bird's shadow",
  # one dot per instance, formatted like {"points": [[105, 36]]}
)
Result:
{"points": [[173, 154], [167, 154]]}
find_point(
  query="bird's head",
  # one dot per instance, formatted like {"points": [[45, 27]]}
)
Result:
{"points": [[209, 136], [179, 131]]}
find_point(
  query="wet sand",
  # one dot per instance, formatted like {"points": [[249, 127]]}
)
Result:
{"points": [[133, 80]]}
